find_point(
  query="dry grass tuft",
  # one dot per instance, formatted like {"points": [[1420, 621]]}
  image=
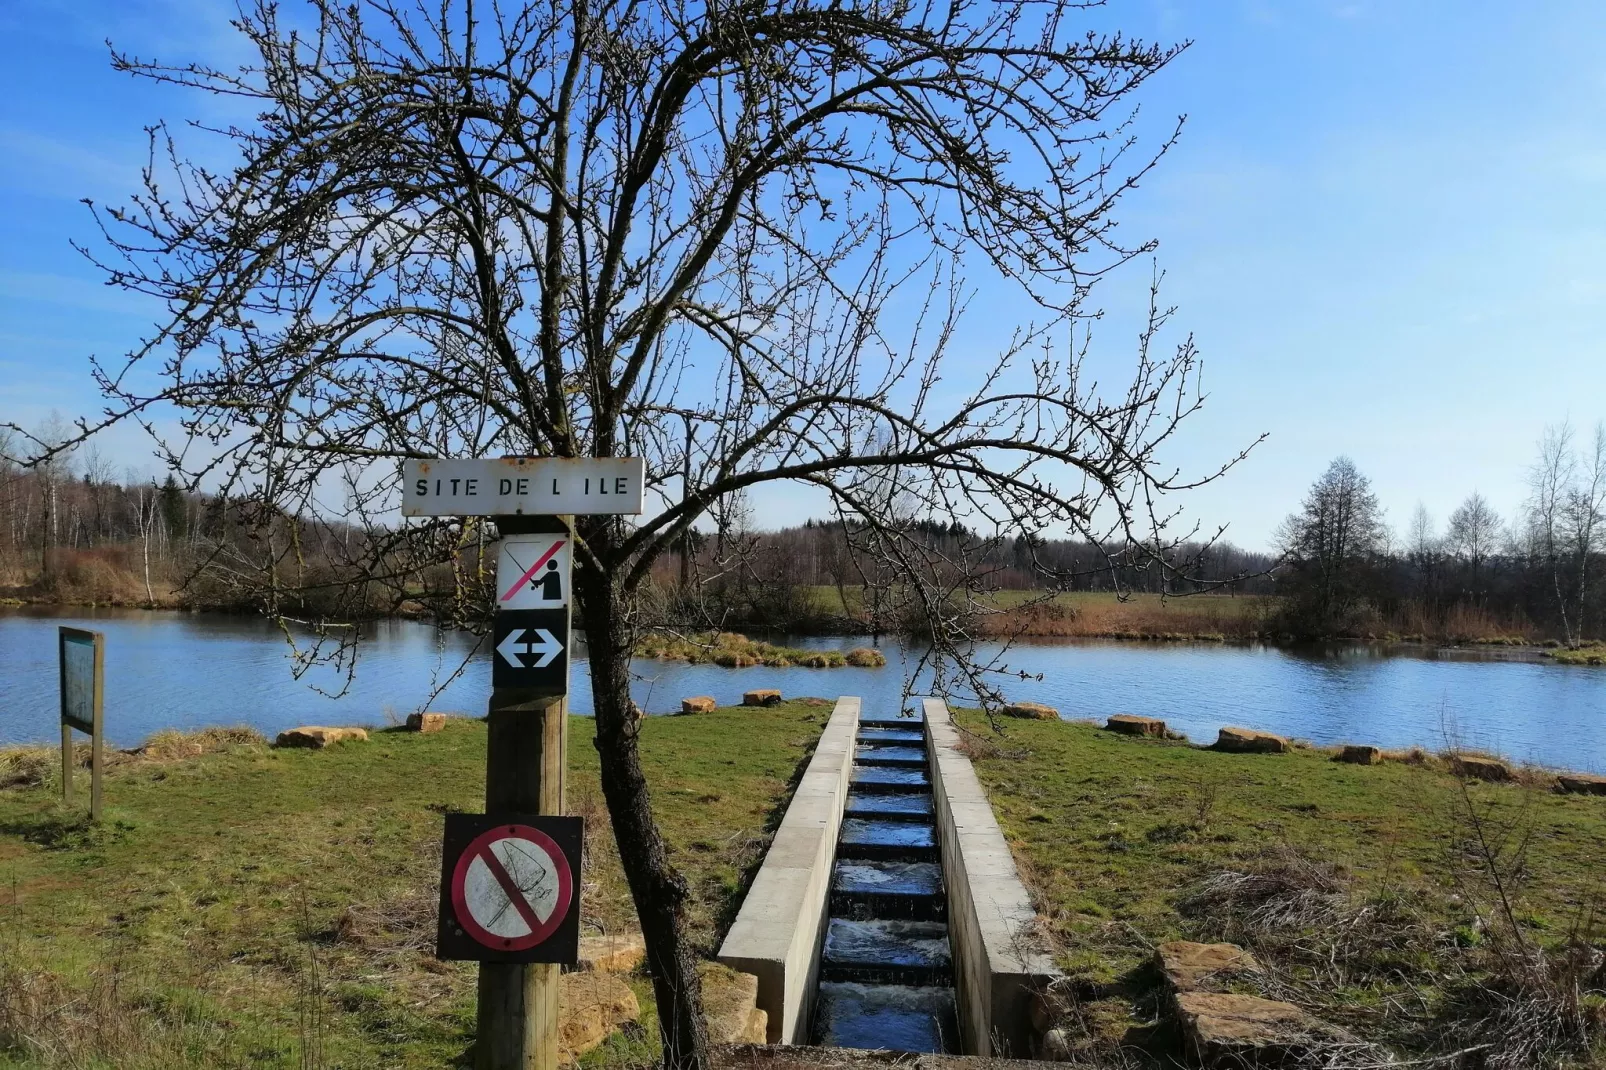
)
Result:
{"points": [[1280, 891], [401, 921], [113, 1020], [26, 767], [171, 745], [30, 766]]}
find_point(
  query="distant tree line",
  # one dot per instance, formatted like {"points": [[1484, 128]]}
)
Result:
{"points": [[76, 529], [74, 512], [1534, 574], [827, 574]]}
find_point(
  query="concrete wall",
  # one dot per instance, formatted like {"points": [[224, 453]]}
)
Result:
{"points": [[781, 926], [998, 965]]}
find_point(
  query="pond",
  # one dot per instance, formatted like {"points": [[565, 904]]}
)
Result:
{"points": [[181, 670]]}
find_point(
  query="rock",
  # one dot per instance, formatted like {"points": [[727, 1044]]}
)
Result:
{"points": [[318, 737], [1490, 769], [1191, 967], [1248, 741], [698, 704], [426, 722], [1129, 724], [729, 1002], [766, 696], [590, 1006], [1032, 711], [614, 953], [1361, 755], [1056, 1047], [1226, 1029], [1582, 784]]}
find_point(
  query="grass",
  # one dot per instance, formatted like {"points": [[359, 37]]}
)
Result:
{"points": [[1589, 654], [738, 651], [1374, 906], [244, 906]]}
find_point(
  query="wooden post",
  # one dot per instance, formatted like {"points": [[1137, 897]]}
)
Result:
{"points": [[66, 764], [96, 737], [525, 761]]}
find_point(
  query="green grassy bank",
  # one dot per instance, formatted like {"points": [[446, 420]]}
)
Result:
{"points": [[265, 908], [1418, 910]]}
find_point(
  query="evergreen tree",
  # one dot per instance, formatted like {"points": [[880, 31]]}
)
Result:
{"points": [[175, 515]]}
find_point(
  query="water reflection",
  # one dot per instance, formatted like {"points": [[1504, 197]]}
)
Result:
{"points": [[190, 670]]}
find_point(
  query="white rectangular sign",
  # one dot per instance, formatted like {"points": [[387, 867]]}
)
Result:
{"points": [[508, 486], [532, 572]]}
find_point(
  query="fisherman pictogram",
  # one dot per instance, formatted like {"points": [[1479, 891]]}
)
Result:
{"points": [[551, 583], [533, 573]]}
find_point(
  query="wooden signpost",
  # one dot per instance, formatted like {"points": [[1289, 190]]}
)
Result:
{"points": [[83, 675], [503, 873]]}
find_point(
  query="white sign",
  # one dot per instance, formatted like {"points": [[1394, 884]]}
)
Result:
{"points": [[510, 486], [532, 572], [541, 647], [512, 888]]}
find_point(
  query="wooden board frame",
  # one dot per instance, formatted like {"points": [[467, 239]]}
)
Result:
{"points": [[94, 726]]}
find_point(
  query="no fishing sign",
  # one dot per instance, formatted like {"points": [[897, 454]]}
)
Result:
{"points": [[510, 889]]}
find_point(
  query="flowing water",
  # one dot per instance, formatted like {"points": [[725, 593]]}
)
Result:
{"points": [[180, 670], [886, 970]]}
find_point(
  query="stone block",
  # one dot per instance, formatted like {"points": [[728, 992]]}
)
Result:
{"points": [[1361, 755], [729, 1000], [590, 1006], [1129, 724], [1492, 770], [1248, 741], [318, 736], [613, 953], [1031, 711], [426, 722], [1226, 1029], [1191, 967], [765, 696], [698, 704], [1582, 784]]}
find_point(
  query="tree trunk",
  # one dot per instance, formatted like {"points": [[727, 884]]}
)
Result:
{"points": [[658, 889]]}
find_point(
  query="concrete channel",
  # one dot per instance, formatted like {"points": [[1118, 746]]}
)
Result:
{"points": [[887, 913]]}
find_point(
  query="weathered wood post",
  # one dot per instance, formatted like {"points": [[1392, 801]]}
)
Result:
{"points": [[526, 752]]}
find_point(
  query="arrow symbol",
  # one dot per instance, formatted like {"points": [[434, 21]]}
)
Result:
{"points": [[548, 648], [510, 648], [544, 647]]}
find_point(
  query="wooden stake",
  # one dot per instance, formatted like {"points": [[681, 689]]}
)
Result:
{"points": [[525, 763]]}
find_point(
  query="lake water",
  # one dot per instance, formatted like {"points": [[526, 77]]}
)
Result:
{"points": [[177, 670]]}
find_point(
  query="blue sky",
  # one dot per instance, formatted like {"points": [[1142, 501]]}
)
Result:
{"points": [[1384, 227]]}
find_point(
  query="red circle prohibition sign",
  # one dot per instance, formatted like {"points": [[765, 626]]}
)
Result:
{"points": [[512, 888]]}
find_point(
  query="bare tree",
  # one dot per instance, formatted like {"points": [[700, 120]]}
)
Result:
{"points": [[665, 230], [1422, 552], [53, 445], [1567, 518], [1329, 545], [1473, 535], [1585, 515], [147, 514]]}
